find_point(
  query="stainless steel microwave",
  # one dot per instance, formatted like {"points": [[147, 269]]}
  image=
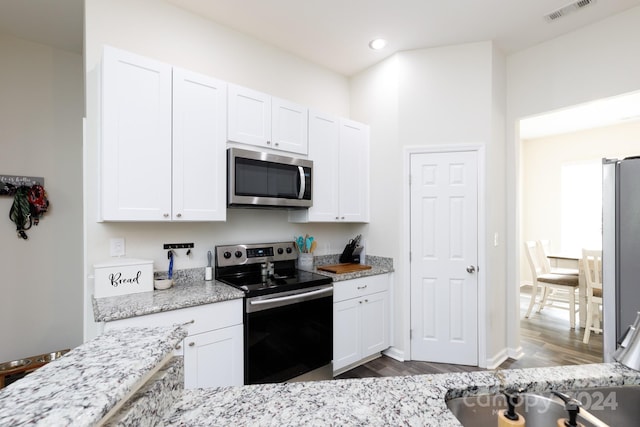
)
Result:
{"points": [[257, 179]]}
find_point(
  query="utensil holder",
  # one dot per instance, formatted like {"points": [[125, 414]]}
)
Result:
{"points": [[305, 261]]}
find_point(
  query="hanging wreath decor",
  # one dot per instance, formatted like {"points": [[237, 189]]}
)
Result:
{"points": [[29, 205]]}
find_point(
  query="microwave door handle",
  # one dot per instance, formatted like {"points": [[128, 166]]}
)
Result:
{"points": [[303, 184]]}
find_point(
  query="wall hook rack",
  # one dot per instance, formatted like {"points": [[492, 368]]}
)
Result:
{"points": [[178, 245], [9, 183]]}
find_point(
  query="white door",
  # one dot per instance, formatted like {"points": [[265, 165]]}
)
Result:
{"points": [[444, 285]]}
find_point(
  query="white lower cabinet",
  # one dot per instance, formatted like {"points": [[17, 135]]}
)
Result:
{"points": [[214, 358], [360, 320], [213, 350]]}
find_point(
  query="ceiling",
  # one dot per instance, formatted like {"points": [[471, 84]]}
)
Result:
{"points": [[335, 33]]}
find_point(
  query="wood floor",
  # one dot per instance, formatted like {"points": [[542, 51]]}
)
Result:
{"points": [[545, 337]]}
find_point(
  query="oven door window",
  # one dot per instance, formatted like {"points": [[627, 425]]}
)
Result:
{"points": [[285, 342]]}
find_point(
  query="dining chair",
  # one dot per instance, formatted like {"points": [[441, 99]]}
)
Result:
{"points": [[543, 247], [592, 265], [553, 287]]}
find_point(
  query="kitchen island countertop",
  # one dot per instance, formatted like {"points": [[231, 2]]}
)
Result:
{"points": [[418, 400], [82, 387], [90, 382]]}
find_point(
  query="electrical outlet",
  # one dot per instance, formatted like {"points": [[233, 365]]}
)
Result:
{"points": [[117, 246]]}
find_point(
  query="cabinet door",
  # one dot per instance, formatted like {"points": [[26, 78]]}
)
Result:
{"points": [[214, 359], [346, 333], [354, 171], [199, 147], [375, 323], [324, 143], [289, 126], [136, 138], [249, 116]]}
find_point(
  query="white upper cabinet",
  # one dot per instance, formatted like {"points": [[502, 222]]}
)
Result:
{"points": [[339, 149], [136, 137], [354, 171], [199, 161], [258, 119], [163, 142]]}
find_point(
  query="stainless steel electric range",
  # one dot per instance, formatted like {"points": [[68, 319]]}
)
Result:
{"points": [[288, 315]]}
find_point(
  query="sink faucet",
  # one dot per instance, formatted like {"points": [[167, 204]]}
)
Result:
{"points": [[573, 408]]}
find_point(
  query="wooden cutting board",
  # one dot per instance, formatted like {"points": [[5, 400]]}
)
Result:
{"points": [[344, 268]]}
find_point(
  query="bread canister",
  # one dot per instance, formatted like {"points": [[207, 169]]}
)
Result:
{"points": [[123, 276]]}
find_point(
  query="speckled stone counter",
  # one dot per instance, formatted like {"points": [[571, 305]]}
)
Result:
{"points": [[379, 265], [418, 400], [185, 293], [83, 386]]}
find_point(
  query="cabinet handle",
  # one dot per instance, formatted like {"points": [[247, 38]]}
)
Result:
{"points": [[337, 217], [179, 215], [191, 344], [166, 215], [366, 300], [342, 218], [362, 287], [360, 302], [277, 144], [268, 142], [178, 347]]}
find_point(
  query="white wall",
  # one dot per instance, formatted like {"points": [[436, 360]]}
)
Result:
{"points": [[595, 62], [41, 135], [158, 29], [543, 159], [431, 97]]}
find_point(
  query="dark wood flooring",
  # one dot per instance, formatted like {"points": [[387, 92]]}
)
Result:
{"points": [[545, 337]]}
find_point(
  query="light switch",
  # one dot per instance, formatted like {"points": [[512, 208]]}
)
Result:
{"points": [[116, 246]]}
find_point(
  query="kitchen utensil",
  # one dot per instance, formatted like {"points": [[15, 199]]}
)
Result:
{"points": [[314, 245], [170, 273], [208, 271]]}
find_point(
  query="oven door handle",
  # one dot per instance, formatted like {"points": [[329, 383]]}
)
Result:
{"points": [[291, 297]]}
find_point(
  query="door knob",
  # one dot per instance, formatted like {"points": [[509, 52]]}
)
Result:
{"points": [[471, 269]]}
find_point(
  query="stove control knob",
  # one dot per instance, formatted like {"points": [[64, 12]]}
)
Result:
{"points": [[289, 250], [227, 255], [280, 251], [238, 254]]}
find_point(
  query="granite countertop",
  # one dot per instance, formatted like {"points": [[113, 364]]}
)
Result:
{"points": [[191, 290], [181, 295], [379, 265], [418, 400], [84, 385]]}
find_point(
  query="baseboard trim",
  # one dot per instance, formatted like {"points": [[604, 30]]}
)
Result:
{"points": [[495, 361], [395, 354], [515, 353]]}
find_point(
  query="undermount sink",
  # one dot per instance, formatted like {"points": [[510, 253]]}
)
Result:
{"points": [[613, 406]]}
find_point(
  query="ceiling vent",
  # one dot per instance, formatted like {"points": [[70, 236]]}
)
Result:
{"points": [[564, 11]]}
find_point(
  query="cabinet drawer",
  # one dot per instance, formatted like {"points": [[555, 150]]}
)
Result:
{"points": [[363, 286], [205, 317]]}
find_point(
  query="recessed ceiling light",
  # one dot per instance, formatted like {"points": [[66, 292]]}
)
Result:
{"points": [[377, 44]]}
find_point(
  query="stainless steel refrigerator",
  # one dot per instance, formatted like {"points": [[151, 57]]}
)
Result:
{"points": [[620, 248]]}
